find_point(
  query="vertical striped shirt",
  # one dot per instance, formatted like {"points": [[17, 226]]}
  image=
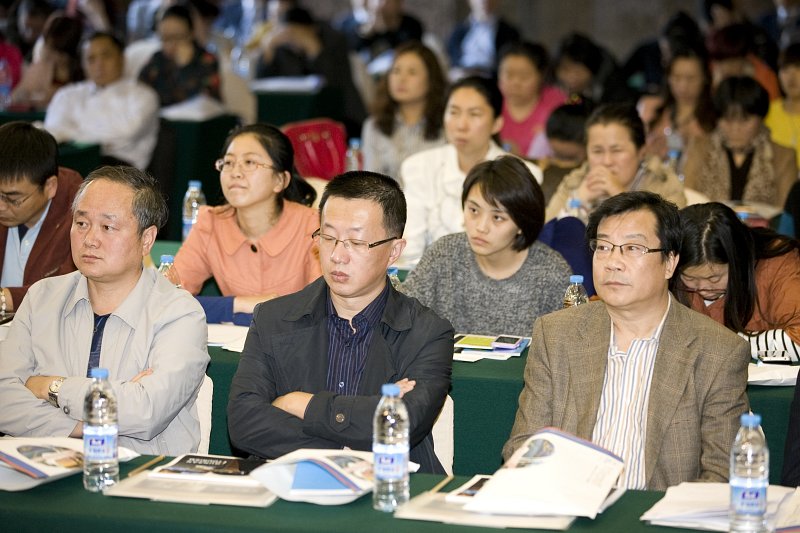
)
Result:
{"points": [[348, 346], [622, 417]]}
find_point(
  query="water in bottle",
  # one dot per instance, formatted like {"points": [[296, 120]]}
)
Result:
{"points": [[394, 276], [353, 158], [5, 84], [576, 292], [749, 477], [100, 460], [390, 448], [192, 201], [674, 151], [574, 208]]}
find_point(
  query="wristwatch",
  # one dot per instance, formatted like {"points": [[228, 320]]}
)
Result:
{"points": [[52, 391]]}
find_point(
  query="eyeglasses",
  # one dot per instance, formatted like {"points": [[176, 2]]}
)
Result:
{"points": [[355, 246], [14, 202], [711, 295], [247, 165], [603, 248]]}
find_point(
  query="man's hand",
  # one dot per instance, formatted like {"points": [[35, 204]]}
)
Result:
{"points": [[294, 403], [40, 386], [406, 385]]}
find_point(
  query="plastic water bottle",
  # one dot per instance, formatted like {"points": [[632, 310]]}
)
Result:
{"points": [[394, 276], [100, 460], [749, 477], [5, 84], [192, 201], [353, 160], [390, 448], [674, 151], [576, 292], [165, 265], [574, 208]]}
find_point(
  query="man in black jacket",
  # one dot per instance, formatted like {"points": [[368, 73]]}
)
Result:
{"points": [[314, 361]]}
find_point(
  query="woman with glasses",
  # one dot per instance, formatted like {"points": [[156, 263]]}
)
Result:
{"points": [[258, 244], [745, 278], [494, 278]]}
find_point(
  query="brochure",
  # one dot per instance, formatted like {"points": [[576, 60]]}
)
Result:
{"points": [[209, 469], [471, 348], [32, 461]]}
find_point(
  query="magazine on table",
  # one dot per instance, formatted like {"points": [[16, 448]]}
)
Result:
{"points": [[471, 348], [32, 461], [209, 469]]}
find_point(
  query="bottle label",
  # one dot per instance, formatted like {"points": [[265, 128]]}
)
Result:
{"points": [[99, 442], [749, 500], [391, 462]]}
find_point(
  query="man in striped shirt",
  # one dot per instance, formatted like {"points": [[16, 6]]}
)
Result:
{"points": [[637, 373]]}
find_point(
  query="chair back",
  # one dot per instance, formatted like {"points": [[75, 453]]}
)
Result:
{"points": [[320, 146], [443, 440], [203, 402]]}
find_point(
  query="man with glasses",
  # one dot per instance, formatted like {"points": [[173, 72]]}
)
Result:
{"points": [[35, 217], [314, 361], [637, 373]]}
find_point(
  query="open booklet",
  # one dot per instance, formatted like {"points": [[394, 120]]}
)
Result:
{"points": [[199, 479], [32, 461], [551, 479]]}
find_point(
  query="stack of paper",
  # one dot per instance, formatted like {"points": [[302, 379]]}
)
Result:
{"points": [[471, 348], [231, 337]]}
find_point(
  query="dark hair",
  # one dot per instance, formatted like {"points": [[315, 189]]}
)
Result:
{"points": [[507, 182], [179, 11], [486, 87], [623, 114], [713, 233], [682, 31], [533, 52], [668, 227], [730, 42], [28, 153], [280, 151], [578, 48], [115, 41], [63, 34], [386, 108], [363, 185], [704, 108], [148, 203], [297, 15], [789, 56], [708, 4], [567, 122], [741, 96]]}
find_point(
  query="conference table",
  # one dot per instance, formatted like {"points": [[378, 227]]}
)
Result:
{"points": [[64, 506]]}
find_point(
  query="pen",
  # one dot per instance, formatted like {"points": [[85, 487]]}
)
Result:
{"points": [[145, 466], [441, 484]]}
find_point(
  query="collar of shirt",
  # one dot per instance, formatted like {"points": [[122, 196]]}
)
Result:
{"points": [[272, 242], [654, 337], [130, 310], [368, 317]]}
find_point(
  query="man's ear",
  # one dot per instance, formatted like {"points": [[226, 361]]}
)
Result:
{"points": [[51, 187], [148, 239], [398, 245]]}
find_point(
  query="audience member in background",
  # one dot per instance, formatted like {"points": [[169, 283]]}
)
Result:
{"points": [[258, 245], [409, 110], [182, 69], [35, 217], [720, 14], [13, 58], [314, 361], [56, 64], [113, 313], [616, 162], [527, 100], [782, 22], [636, 372], [297, 45], [747, 279], [474, 43], [730, 49], [375, 27], [495, 278], [783, 118], [585, 70], [26, 23], [739, 161], [565, 140], [434, 179], [686, 107], [120, 114]]}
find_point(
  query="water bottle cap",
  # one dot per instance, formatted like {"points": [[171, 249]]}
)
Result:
{"points": [[390, 389], [100, 373], [574, 203], [576, 278], [392, 271], [167, 259], [195, 184], [750, 420], [743, 215], [355, 142]]}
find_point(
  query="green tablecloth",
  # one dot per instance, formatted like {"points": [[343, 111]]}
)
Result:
{"points": [[81, 157], [63, 506]]}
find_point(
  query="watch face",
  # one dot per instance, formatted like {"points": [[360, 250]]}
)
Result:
{"points": [[55, 385]]}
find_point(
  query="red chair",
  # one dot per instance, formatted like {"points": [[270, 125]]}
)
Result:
{"points": [[320, 146]]}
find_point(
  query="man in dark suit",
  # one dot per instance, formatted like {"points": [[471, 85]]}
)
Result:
{"points": [[637, 373], [314, 361], [35, 211], [474, 44]]}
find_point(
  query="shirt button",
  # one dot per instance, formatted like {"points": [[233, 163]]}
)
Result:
{"points": [[66, 410], [341, 384], [339, 418]]}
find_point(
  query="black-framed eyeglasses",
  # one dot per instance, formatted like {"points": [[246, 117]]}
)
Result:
{"points": [[247, 165], [14, 202], [710, 295], [358, 246], [604, 248]]}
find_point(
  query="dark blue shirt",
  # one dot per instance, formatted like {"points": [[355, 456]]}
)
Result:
{"points": [[97, 342], [347, 349]]}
